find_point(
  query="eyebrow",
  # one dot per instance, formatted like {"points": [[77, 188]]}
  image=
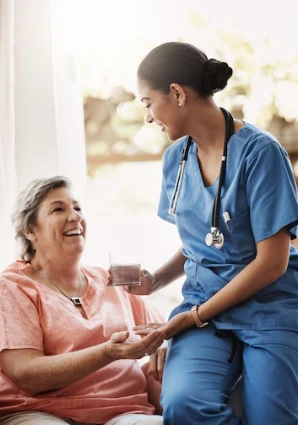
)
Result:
{"points": [[58, 201], [145, 98]]}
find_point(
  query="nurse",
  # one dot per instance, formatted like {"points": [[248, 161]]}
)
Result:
{"points": [[229, 188]]}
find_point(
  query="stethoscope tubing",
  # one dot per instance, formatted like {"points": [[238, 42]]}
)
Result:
{"points": [[228, 134], [215, 234]]}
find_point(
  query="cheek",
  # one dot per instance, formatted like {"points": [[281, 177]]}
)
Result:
{"points": [[160, 111], [176, 131], [178, 120], [172, 116], [55, 226]]}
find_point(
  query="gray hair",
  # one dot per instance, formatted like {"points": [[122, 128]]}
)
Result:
{"points": [[25, 212]]}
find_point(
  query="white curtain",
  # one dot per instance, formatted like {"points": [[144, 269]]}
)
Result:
{"points": [[41, 110], [65, 31], [7, 129]]}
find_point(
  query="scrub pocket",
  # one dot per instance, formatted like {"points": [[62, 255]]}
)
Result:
{"points": [[239, 238]]}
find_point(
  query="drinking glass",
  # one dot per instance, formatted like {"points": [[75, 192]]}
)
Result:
{"points": [[125, 269]]}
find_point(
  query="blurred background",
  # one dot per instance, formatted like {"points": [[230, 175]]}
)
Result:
{"points": [[93, 48], [123, 153]]}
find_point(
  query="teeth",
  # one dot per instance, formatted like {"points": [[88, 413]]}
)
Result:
{"points": [[73, 232]]}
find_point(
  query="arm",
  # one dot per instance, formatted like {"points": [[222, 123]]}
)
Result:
{"points": [[170, 271], [268, 191], [270, 263], [35, 373]]}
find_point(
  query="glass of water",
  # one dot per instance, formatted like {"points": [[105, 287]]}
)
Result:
{"points": [[125, 269]]}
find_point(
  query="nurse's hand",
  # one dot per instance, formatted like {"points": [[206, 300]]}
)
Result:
{"points": [[179, 323], [147, 284], [146, 287], [173, 327]]}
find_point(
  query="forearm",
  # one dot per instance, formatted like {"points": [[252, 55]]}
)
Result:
{"points": [[35, 373], [270, 263], [252, 279], [170, 271], [41, 373]]}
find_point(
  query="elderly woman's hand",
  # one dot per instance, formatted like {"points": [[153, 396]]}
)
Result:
{"points": [[157, 362], [118, 347]]}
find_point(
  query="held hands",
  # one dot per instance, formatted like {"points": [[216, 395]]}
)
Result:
{"points": [[168, 330], [146, 287], [118, 348]]}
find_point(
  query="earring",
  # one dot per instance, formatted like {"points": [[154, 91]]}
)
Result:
{"points": [[179, 104]]}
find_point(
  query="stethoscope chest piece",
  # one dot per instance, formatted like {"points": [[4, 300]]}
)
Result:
{"points": [[215, 238]]}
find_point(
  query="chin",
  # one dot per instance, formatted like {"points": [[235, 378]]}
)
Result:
{"points": [[78, 249], [172, 137]]}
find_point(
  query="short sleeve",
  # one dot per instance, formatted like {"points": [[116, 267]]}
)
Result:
{"points": [[271, 192], [19, 319]]}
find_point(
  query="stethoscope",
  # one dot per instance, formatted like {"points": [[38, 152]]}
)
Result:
{"points": [[215, 237]]}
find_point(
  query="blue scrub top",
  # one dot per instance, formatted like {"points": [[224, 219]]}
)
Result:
{"points": [[260, 196]]}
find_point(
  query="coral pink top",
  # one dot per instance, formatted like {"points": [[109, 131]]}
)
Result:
{"points": [[34, 316]]}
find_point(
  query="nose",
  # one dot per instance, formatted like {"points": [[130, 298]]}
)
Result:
{"points": [[148, 117], [75, 216]]}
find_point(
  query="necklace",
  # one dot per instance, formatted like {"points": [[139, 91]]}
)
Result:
{"points": [[75, 300]]}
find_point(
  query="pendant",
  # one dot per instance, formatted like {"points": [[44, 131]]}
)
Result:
{"points": [[76, 301]]}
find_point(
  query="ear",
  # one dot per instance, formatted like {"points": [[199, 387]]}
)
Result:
{"points": [[29, 235], [179, 93]]}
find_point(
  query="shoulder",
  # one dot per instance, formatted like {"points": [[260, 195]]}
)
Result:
{"points": [[174, 151], [15, 267], [172, 156], [95, 272], [14, 272], [255, 140], [17, 287]]}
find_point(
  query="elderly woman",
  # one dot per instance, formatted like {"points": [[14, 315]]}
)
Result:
{"points": [[67, 350]]}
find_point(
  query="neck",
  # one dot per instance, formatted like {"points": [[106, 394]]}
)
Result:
{"points": [[207, 128], [66, 274]]}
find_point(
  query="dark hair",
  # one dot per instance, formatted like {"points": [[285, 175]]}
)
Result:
{"points": [[25, 211], [186, 65]]}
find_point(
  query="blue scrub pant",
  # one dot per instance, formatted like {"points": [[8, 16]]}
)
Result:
{"points": [[203, 366]]}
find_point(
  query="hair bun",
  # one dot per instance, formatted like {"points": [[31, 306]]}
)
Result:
{"points": [[215, 76]]}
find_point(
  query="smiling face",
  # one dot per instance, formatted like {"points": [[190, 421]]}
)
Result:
{"points": [[60, 227], [163, 110]]}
